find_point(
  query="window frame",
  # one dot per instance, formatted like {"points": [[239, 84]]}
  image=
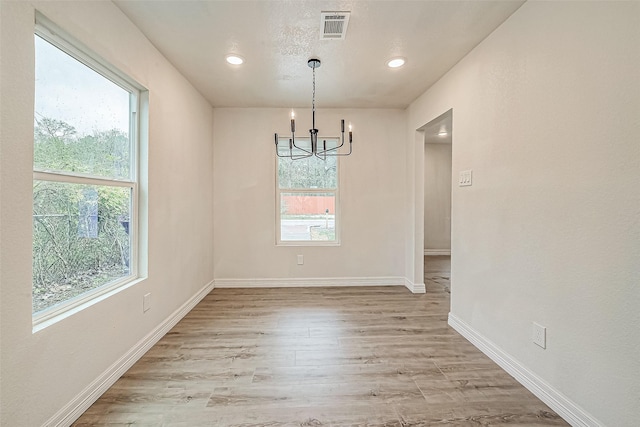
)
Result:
{"points": [[280, 191], [51, 33]]}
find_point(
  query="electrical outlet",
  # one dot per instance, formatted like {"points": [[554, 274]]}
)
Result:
{"points": [[539, 335], [146, 302], [300, 259]]}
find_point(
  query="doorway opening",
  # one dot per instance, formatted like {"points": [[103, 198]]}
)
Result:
{"points": [[437, 187], [436, 183]]}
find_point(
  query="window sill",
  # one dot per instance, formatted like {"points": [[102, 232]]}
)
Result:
{"points": [[308, 244]]}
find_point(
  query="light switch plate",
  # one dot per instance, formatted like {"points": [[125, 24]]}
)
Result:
{"points": [[465, 178], [300, 259]]}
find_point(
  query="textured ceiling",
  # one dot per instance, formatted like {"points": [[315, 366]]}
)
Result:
{"points": [[277, 37]]}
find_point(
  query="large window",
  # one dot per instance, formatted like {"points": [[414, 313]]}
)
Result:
{"points": [[307, 198], [85, 176]]}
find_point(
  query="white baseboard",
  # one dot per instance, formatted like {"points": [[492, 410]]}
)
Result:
{"points": [[72, 410], [567, 409], [416, 288], [430, 252], [309, 282]]}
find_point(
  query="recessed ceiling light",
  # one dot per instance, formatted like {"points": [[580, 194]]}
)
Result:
{"points": [[395, 63], [234, 59]]}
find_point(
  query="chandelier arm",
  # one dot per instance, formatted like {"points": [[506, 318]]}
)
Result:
{"points": [[277, 152], [291, 155], [321, 154], [334, 148], [338, 154], [292, 141], [341, 139], [302, 149], [298, 157], [327, 152]]}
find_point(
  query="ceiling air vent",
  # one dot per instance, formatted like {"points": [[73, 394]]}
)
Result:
{"points": [[333, 25]]}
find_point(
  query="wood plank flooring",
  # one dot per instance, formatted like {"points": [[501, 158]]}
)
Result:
{"points": [[362, 356]]}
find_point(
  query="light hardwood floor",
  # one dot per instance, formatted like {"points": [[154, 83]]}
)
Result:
{"points": [[362, 356]]}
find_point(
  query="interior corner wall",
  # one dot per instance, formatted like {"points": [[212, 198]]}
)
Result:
{"points": [[546, 115], [42, 372], [372, 196]]}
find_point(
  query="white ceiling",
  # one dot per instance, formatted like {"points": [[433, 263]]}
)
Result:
{"points": [[277, 37]]}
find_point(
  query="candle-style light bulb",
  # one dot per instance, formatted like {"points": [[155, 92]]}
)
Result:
{"points": [[293, 121], [293, 115], [350, 134]]}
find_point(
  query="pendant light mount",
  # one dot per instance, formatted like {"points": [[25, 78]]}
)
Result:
{"points": [[314, 63]]}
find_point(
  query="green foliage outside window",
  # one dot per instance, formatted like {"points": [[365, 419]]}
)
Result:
{"points": [[80, 232], [311, 172]]}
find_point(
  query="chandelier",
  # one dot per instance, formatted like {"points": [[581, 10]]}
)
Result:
{"points": [[314, 150]]}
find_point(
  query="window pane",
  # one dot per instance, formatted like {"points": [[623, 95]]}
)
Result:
{"points": [[307, 216], [81, 118], [81, 239], [310, 172]]}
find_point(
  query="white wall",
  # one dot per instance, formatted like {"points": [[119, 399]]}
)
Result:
{"points": [[437, 197], [372, 197], [42, 372], [546, 114]]}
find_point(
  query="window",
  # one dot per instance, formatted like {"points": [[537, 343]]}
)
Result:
{"points": [[85, 176], [307, 197]]}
